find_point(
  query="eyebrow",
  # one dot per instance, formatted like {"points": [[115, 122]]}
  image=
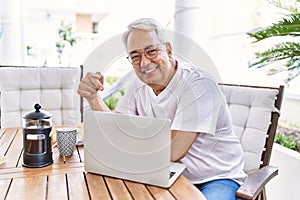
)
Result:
{"points": [[136, 50]]}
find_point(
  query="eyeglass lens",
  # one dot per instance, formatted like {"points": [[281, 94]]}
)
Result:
{"points": [[150, 53]]}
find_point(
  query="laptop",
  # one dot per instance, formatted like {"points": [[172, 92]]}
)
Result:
{"points": [[129, 147]]}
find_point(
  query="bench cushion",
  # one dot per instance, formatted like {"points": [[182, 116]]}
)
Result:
{"points": [[251, 110], [53, 87]]}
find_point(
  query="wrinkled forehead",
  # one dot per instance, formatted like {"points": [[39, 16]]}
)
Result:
{"points": [[140, 39]]}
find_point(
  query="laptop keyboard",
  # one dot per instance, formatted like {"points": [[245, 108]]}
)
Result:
{"points": [[171, 174]]}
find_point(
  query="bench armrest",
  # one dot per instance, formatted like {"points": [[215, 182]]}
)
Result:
{"points": [[256, 182]]}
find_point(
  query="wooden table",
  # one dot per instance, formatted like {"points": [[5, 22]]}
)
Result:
{"points": [[69, 180]]}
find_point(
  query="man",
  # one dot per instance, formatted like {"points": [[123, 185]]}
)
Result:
{"points": [[202, 135]]}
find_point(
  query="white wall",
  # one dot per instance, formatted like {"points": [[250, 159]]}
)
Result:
{"points": [[286, 184], [42, 20], [290, 109]]}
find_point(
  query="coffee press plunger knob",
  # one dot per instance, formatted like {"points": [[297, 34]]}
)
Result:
{"points": [[37, 107]]}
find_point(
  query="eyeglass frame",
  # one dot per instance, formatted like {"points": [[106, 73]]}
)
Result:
{"points": [[157, 49]]}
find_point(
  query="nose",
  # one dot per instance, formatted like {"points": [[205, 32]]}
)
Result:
{"points": [[144, 60]]}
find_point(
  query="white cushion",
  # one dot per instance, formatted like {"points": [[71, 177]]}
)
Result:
{"points": [[251, 110], [53, 87]]}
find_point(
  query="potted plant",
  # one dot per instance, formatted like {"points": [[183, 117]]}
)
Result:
{"points": [[66, 37]]}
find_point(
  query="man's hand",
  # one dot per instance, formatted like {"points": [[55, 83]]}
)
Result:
{"points": [[90, 84], [88, 87]]}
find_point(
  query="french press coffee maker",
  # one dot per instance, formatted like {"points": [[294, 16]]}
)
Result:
{"points": [[37, 149]]}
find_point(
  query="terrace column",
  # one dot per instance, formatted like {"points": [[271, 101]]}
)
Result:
{"points": [[12, 48], [187, 19], [190, 21]]}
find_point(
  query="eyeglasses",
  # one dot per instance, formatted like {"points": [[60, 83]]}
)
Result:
{"points": [[150, 52]]}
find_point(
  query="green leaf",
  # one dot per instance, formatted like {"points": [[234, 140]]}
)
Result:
{"points": [[282, 51], [288, 26], [111, 102]]}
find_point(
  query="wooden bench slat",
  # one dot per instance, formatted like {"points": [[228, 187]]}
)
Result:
{"points": [[6, 139], [117, 189], [77, 187], [4, 184], [13, 158], [138, 191], [57, 188], [28, 188], [160, 193], [97, 187]]}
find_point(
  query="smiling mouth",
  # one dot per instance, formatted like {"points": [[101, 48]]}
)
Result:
{"points": [[149, 70]]}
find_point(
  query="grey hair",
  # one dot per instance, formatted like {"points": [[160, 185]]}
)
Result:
{"points": [[147, 24]]}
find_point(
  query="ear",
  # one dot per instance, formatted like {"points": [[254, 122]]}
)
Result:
{"points": [[169, 49]]}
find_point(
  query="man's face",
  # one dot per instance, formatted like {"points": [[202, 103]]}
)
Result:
{"points": [[154, 67]]}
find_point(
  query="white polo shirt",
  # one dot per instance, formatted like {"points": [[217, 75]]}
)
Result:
{"points": [[193, 102]]}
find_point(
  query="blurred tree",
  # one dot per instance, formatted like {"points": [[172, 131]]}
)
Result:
{"points": [[66, 37], [285, 33]]}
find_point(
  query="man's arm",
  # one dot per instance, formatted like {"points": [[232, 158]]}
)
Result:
{"points": [[181, 143], [98, 104]]}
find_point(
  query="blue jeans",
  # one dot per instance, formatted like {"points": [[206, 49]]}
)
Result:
{"points": [[223, 189]]}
